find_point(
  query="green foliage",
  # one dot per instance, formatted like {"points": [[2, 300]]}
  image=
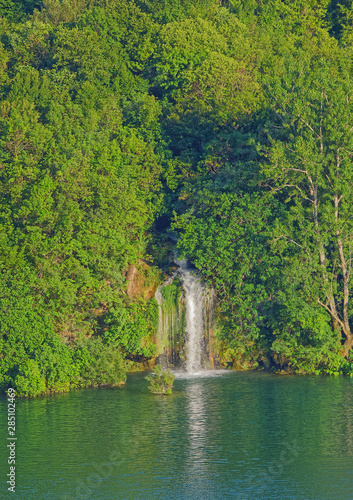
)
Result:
{"points": [[29, 381], [181, 48], [34, 359], [135, 333], [171, 293], [17, 10], [161, 382], [302, 338], [310, 164], [113, 115], [25, 322], [177, 10], [226, 237], [99, 363]]}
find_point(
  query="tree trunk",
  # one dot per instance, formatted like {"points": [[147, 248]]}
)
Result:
{"points": [[346, 277], [348, 344]]}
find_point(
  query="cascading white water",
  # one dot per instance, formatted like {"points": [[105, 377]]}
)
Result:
{"points": [[194, 317], [190, 312]]}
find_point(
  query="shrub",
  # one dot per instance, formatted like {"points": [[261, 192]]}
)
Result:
{"points": [[99, 363], [29, 381], [161, 381]]}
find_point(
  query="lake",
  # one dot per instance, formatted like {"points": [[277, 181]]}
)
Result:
{"points": [[220, 435]]}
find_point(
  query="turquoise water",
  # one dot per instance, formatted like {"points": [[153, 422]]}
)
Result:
{"points": [[233, 435]]}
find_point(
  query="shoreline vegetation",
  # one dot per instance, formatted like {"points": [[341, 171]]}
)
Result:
{"points": [[131, 127]]}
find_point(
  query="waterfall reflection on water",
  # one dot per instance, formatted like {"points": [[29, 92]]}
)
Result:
{"points": [[196, 465], [197, 427]]}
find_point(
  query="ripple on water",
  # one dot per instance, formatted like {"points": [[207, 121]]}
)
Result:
{"points": [[220, 435]]}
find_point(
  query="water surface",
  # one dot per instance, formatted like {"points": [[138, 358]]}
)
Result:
{"points": [[232, 435]]}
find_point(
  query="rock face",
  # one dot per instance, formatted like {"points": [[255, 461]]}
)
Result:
{"points": [[140, 283], [130, 277]]}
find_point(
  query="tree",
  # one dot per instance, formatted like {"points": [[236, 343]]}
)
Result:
{"points": [[224, 233], [310, 168], [16, 10]]}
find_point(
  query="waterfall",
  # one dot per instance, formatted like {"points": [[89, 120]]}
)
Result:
{"points": [[194, 317], [185, 320]]}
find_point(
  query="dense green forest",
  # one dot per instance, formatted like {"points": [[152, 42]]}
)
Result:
{"points": [[228, 124]]}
